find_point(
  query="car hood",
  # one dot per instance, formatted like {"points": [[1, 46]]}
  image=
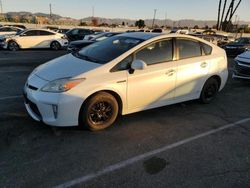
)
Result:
{"points": [[245, 57], [64, 67]]}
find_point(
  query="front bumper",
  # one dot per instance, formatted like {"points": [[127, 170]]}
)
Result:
{"points": [[56, 109], [241, 70]]}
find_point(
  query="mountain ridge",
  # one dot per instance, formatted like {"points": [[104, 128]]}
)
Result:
{"points": [[148, 22]]}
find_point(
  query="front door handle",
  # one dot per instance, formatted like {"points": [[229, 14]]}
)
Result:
{"points": [[170, 72], [204, 65]]}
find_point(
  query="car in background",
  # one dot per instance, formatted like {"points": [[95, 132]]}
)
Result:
{"points": [[36, 38], [123, 74], [157, 30], [17, 25], [237, 47], [62, 31], [242, 66], [78, 33], [75, 46], [89, 37], [9, 30]]}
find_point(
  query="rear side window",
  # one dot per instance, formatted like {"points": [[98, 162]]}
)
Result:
{"points": [[46, 33], [207, 49], [158, 52], [31, 33], [188, 48]]}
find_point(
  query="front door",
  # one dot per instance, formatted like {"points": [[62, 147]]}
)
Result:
{"points": [[155, 85]]}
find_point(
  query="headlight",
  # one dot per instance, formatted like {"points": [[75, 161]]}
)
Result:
{"points": [[61, 85]]}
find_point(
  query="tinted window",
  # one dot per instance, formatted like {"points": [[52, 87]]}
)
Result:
{"points": [[243, 40], [14, 29], [31, 33], [124, 64], [207, 49], [188, 48], [46, 33], [85, 32], [74, 31], [109, 49], [156, 53], [5, 29]]}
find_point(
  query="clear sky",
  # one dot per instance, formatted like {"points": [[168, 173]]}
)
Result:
{"points": [[132, 9]]}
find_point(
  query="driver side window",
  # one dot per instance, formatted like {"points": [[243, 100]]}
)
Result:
{"points": [[124, 64], [158, 52]]}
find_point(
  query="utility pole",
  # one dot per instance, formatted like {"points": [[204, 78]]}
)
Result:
{"points": [[93, 11], [166, 15], [153, 23], [1, 9]]}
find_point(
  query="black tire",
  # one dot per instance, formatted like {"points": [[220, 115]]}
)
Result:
{"points": [[99, 112], [13, 46], [209, 91], [55, 46]]}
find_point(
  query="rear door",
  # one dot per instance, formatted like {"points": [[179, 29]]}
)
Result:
{"points": [[193, 68], [44, 39]]}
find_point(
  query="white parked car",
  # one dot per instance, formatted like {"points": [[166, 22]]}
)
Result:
{"points": [[36, 38], [242, 66], [124, 74], [9, 30]]}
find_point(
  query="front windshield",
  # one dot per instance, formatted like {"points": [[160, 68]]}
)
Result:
{"points": [[20, 32], [109, 49], [242, 40]]}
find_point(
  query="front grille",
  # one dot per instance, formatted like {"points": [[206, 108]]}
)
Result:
{"points": [[242, 69], [32, 106]]}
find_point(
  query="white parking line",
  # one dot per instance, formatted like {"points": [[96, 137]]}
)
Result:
{"points": [[11, 97], [138, 158]]}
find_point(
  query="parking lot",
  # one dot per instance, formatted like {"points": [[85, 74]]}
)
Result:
{"points": [[183, 145]]}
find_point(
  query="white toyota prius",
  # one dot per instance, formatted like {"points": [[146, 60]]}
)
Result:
{"points": [[124, 74]]}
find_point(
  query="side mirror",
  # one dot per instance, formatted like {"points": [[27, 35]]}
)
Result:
{"points": [[138, 65]]}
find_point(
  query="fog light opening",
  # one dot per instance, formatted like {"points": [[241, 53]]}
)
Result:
{"points": [[55, 110]]}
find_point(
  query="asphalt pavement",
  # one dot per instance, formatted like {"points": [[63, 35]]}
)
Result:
{"points": [[183, 145]]}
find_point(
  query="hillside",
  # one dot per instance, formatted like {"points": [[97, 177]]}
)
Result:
{"points": [[28, 17]]}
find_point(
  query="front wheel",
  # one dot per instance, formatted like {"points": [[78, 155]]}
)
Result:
{"points": [[209, 91], [13, 46], [99, 112]]}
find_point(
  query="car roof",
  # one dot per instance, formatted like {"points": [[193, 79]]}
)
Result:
{"points": [[40, 30], [11, 27], [140, 35]]}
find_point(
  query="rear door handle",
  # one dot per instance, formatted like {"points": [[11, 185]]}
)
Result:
{"points": [[170, 72], [204, 65]]}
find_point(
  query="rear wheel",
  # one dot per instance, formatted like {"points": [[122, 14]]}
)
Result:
{"points": [[13, 46], [209, 91], [99, 112], [55, 45]]}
